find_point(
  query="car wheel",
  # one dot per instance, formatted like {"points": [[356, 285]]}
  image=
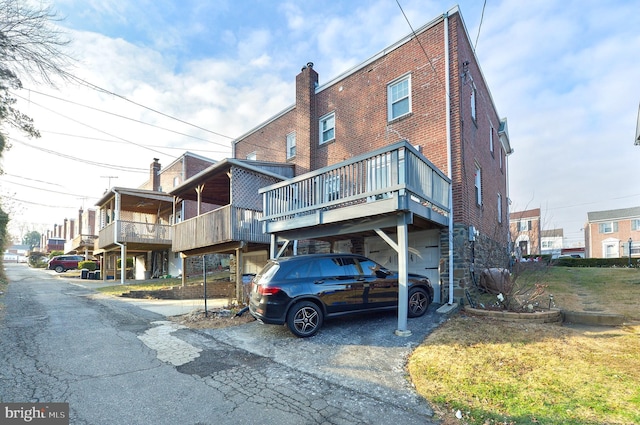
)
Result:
{"points": [[58, 269], [304, 319], [418, 302]]}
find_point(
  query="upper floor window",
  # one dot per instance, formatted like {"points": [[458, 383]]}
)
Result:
{"points": [[499, 208], [399, 98], [635, 224], [176, 181], [252, 156], [492, 131], [524, 225], [291, 145], [473, 102], [609, 227], [478, 185], [328, 128]]}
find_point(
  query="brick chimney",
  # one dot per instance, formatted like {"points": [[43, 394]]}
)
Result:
{"points": [[155, 175], [306, 125], [80, 221]]}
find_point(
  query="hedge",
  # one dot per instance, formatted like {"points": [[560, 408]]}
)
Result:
{"points": [[596, 262]]}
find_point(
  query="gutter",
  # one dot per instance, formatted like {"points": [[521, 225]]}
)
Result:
{"points": [[449, 167]]}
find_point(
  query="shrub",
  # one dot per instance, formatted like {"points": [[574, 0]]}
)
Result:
{"points": [[89, 265], [595, 262], [129, 262]]}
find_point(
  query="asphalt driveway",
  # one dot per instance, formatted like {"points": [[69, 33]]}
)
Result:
{"points": [[355, 355]]}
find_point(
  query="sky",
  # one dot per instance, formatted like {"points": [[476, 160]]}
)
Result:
{"points": [[192, 75]]}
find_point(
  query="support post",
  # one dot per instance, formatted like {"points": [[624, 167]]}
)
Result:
{"points": [[403, 275]]}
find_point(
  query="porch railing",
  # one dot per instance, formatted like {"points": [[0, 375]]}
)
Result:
{"points": [[134, 232], [395, 170], [225, 224]]}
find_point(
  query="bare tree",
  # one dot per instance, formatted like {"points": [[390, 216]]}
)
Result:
{"points": [[31, 46]]}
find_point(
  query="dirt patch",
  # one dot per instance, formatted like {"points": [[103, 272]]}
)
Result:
{"points": [[214, 319]]}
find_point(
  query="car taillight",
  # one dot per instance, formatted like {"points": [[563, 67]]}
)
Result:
{"points": [[268, 290]]}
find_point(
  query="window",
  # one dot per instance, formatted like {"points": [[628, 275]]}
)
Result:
{"points": [[524, 225], [473, 102], [252, 156], [478, 185], [176, 181], [609, 227], [499, 208], [635, 224], [491, 141], [399, 98], [291, 145], [328, 128]]}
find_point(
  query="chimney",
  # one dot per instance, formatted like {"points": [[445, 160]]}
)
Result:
{"points": [[155, 175], [306, 125]]}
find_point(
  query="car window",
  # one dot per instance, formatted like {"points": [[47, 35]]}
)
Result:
{"points": [[349, 267], [306, 269], [371, 268], [267, 272], [335, 267]]}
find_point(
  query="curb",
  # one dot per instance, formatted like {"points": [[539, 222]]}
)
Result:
{"points": [[591, 318]]}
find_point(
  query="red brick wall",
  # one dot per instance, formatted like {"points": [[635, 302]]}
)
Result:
{"points": [[360, 104]]}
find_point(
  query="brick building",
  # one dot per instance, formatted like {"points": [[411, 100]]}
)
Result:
{"points": [[426, 90], [526, 232], [607, 233]]}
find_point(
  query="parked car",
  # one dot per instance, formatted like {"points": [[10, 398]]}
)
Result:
{"points": [[303, 290], [62, 263]]}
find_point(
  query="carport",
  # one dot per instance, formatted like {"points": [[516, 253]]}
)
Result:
{"points": [[394, 189]]}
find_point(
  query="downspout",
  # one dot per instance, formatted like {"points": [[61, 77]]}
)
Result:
{"points": [[449, 159], [123, 252]]}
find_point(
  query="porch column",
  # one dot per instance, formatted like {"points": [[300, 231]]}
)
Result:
{"points": [[183, 260], [403, 270], [239, 269]]}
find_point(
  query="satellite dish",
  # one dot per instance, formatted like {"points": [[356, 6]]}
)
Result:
{"points": [[637, 141]]}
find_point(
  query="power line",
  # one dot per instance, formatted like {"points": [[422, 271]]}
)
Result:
{"points": [[93, 128], [35, 203], [100, 89], [35, 180], [480, 26], [84, 161], [125, 117], [51, 191]]}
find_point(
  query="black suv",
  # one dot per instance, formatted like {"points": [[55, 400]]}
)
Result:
{"points": [[302, 290]]}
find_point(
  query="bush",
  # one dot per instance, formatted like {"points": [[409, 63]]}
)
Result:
{"points": [[595, 262], [89, 265], [129, 262], [38, 260]]}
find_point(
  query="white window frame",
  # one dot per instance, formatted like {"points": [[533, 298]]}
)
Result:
{"points": [[391, 101], [330, 117], [474, 109], [291, 145], [499, 208], [491, 147], [608, 227], [477, 182], [253, 156], [635, 224]]}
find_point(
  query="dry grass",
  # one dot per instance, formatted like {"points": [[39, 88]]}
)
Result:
{"points": [[497, 372]]}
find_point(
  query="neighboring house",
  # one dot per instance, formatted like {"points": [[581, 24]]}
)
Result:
{"points": [[526, 232], [551, 242], [137, 222], [228, 213], [608, 234], [83, 241], [16, 254], [402, 158]]}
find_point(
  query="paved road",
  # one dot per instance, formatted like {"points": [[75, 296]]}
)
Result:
{"points": [[117, 363]]}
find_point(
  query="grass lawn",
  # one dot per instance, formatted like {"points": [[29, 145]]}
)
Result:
{"points": [[512, 373]]}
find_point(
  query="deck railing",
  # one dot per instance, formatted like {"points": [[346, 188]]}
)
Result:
{"points": [[134, 232], [395, 170], [80, 242], [225, 224]]}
